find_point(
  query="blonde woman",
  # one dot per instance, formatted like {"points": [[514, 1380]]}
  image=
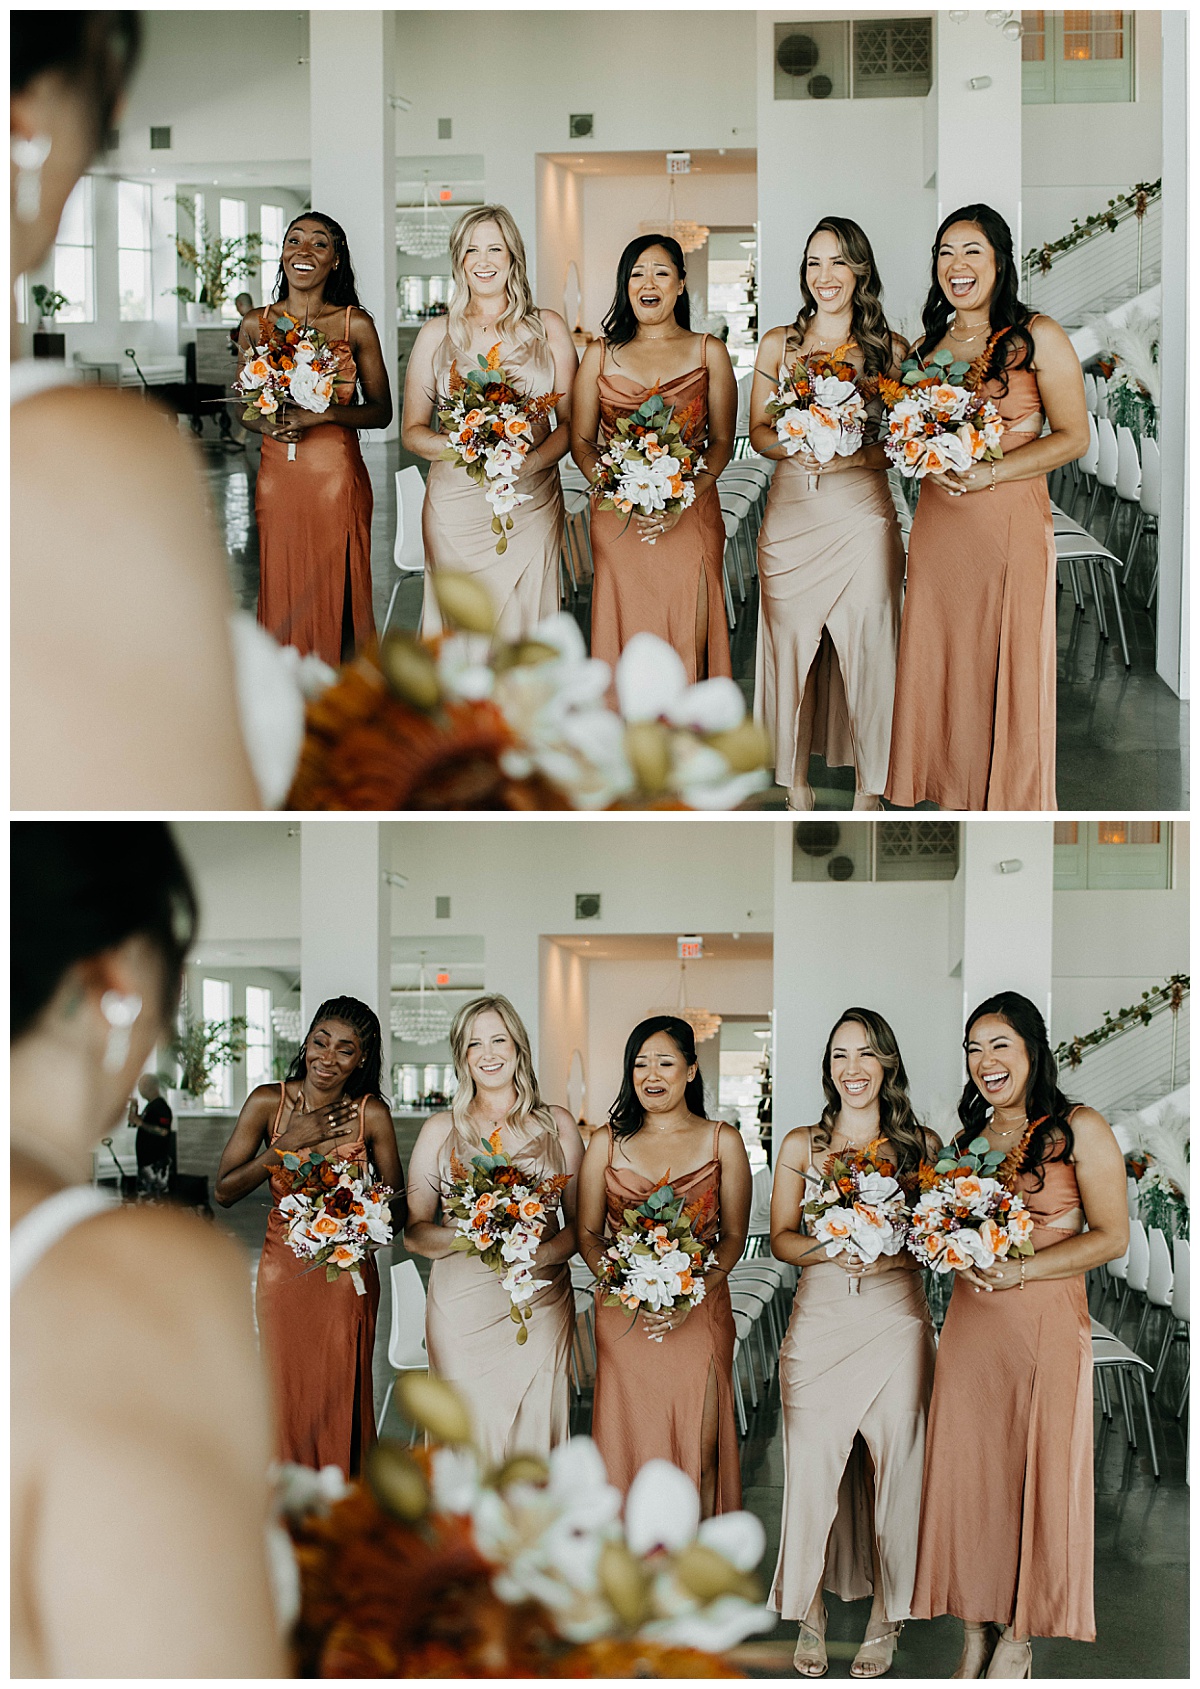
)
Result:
{"points": [[491, 305], [518, 1394]]}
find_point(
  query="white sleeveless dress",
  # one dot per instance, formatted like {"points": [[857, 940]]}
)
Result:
{"points": [[36, 1233]]}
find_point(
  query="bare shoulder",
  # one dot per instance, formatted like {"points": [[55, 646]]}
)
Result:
{"points": [[716, 353], [430, 336], [436, 1129], [104, 430], [598, 1144], [590, 360], [773, 342], [377, 1113], [564, 1119], [362, 322], [730, 1141], [1090, 1128], [796, 1148], [555, 324], [1050, 339]]}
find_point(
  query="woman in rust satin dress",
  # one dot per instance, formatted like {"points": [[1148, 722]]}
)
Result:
{"points": [[1006, 1508], [974, 719], [673, 587], [669, 1400], [318, 1336], [314, 513]]}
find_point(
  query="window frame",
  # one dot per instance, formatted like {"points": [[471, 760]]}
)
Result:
{"points": [[1053, 80], [86, 186], [256, 1044], [144, 252], [219, 1094], [268, 270], [1088, 865]]}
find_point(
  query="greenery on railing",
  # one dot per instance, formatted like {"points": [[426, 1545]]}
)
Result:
{"points": [[1169, 994], [1135, 203]]}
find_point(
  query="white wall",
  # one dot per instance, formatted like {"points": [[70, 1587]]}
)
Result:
{"points": [[247, 877], [563, 1024], [559, 232]]}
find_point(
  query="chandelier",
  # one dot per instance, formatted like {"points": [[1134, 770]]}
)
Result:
{"points": [[423, 235], [425, 1021], [703, 1022], [690, 235], [287, 1024]]}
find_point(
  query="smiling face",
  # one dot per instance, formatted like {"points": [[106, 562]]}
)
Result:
{"points": [[998, 1062], [966, 267], [855, 1069], [830, 279], [661, 1075], [308, 256], [486, 261], [654, 287], [332, 1051], [491, 1053]]}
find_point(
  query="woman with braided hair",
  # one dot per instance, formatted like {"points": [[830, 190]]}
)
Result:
{"points": [[318, 1335]]}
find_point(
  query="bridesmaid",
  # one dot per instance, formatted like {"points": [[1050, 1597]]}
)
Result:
{"points": [[973, 726], [671, 1400], [830, 555], [1006, 1513], [492, 304], [855, 1371], [518, 1394], [674, 589], [314, 513], [319, 1336]]}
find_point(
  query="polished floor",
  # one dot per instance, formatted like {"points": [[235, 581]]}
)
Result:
{"points": [[1141, 1554], [1122, 733]]}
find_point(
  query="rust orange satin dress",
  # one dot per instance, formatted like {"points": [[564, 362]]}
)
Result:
{"points": [[649, 1399], [642, 588], [314, 528], [973, 723], [1006, 1508], [318, 1338]]}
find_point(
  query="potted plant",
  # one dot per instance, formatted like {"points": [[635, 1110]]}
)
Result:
{"points": [[218, 265], [46, 342], [202, 1046]]}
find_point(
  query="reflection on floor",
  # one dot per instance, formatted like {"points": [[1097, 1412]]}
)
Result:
{"points": [[1141, 1558], [1122, 733]]}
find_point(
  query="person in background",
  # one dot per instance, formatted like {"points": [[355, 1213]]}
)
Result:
{"points": [[140, 1429], [157, 1145]]}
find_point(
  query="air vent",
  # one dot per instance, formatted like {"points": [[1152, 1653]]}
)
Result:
{"points": [[160, 139], [825, 851], [893, 57], [817, 838], [445, 129], [582, 125], [441, 908], [916, 850], [587, 905], [812, 61]]}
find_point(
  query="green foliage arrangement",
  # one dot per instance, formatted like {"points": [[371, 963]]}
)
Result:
{"points": [[1138, 199], [1171, 992], [218, 264], [205, 1045]]}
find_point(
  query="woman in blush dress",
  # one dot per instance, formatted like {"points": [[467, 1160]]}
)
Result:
{"points": [[492, 305], [974, 725], [855, 1371], [673, 588], [830, 555], [1006, 1512], [318, 1335], [518, 1395], [673, 1399], [314, 513]]}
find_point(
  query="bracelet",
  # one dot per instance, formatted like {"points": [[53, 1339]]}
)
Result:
{"points": [[992, 488]]}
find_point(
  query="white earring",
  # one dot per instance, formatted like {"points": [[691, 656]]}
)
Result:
{"points": [[120, 1009], [29, 157]]}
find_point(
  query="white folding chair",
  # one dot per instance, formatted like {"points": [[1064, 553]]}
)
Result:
{"points": [[1149, 506], [1128, 489], [1085, 466], [1110, 1354], [1089, 393], [406, 1343], [408, 553], [1137, 1271], [1179, 1326], [1106, 468], [1159, 1277], [741, 433], [1080, 547]]}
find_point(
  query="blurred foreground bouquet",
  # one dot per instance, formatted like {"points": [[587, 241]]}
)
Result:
{"points": [[437, 1566]]}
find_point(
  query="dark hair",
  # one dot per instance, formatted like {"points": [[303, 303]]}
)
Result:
{"points": [[868, 325], [897, 1121], [79, 888], [340, 286], [1043, 1099], [1014, 349], [626, 1115], [621, 325], [365, 1080], [94, 52]]}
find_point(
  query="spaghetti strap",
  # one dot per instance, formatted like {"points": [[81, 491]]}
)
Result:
{"points": [[278, 1112], [716, 1140], [611, 1142], [346, 331]]}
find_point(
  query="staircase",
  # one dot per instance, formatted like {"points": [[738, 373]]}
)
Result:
{"points": [[1136, 1064], [1104, 269]]}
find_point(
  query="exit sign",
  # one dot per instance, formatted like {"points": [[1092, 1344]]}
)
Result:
{"points": [[442, 977], [691, 948]]}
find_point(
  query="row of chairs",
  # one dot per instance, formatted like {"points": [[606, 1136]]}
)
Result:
{"points": [[1128, 472]]}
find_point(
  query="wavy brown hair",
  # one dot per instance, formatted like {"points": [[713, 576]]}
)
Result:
{"points": [[529, 1104], [898, 1123], [868, 324]]}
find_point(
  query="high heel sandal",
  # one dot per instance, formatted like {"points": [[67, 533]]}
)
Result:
{"points": [[990, 1634], [805, 795], [867, 800], [1009, 1653], [881, 1663], [807, 1660]]}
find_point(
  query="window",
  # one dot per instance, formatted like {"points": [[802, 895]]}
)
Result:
{"points": [[258, 1037], [133, 251], [272, 225], [1112, 856], [75, 255], [1076, 57], [869, 851], [892, 57], [216, 1004], [233, 227], [22, 299]]}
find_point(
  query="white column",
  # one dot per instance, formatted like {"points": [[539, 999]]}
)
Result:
{"points": [[1175, 363], [976, 131], [345, 920], [1008, 911], [354, 157]]}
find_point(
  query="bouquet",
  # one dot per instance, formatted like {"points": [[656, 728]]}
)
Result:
{"points": [[855, 1204], [294, 364], [500, 1214], [333, 1216], [937, 418], [818, 407], [647, 465], [490, 427], [656, 1261], [967, 1216]]}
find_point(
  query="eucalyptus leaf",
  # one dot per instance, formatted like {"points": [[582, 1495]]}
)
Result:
{"points": [[979, 1146]]}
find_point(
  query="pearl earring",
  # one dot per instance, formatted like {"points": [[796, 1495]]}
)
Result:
{"points": [[29, 155], [120, 1009]]}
